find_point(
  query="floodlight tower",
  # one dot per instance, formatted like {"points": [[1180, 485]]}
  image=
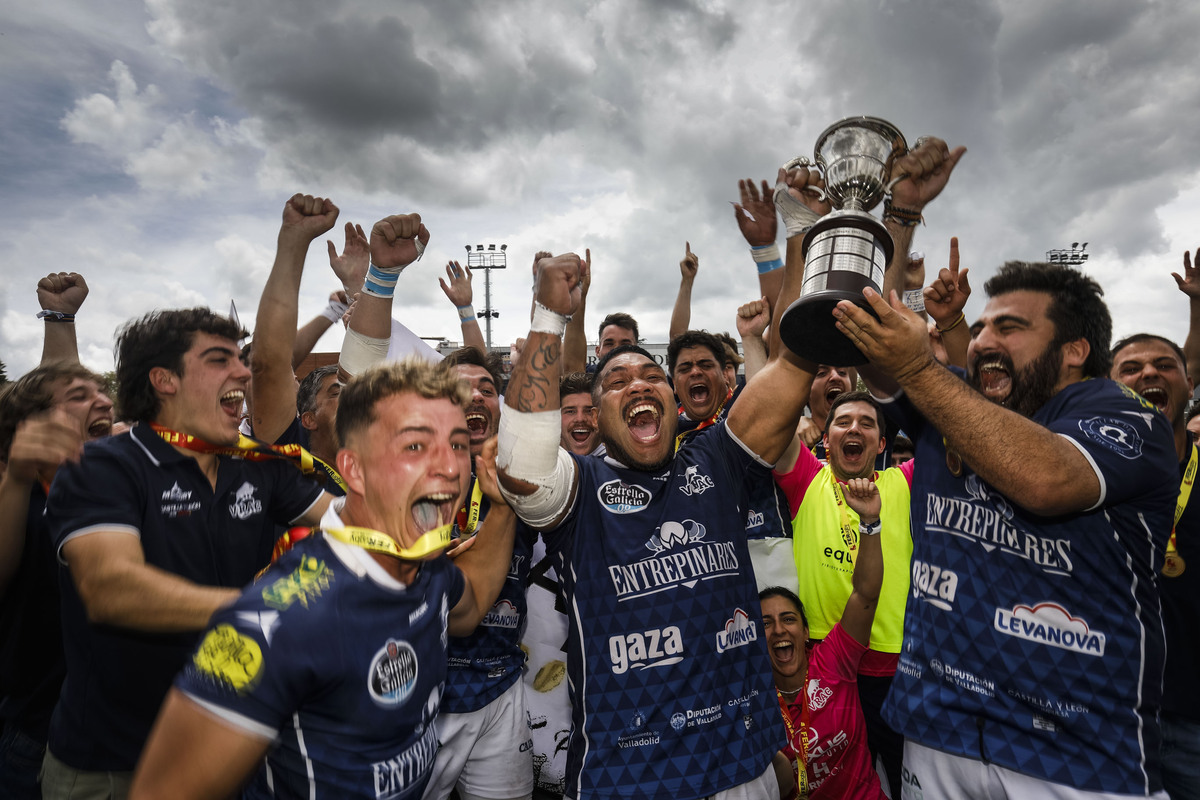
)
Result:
{"points": [[489, 259], [1075, 256]]}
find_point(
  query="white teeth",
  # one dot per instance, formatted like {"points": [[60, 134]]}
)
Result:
{"points": [[781, 645], [439, 497], [992, 365], [638, 409], [234, 395], [476, 416]]}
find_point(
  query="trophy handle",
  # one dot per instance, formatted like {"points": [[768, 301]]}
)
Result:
{"points": [[803, 161], [887, 190]]}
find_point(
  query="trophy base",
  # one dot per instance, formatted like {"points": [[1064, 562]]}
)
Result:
{"points": [[844, 253], [807, 329]]}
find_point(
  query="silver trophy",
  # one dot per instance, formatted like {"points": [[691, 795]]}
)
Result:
{"points": [[847, 249]]}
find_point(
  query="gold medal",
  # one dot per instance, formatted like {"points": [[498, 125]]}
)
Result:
{"points": [[1174, 565]]}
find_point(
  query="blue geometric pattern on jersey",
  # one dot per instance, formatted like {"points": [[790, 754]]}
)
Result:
{"points": [[1036, 643], [349, 672], [671, 689], [483, 665]]}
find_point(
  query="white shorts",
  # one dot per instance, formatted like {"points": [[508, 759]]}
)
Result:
{"points": [[764, 787], [930, 774], [487, 753]]}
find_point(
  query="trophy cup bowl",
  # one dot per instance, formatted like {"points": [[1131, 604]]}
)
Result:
{"points": [[848, 249]]}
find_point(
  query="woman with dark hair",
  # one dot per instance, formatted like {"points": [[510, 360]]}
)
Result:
{"points": [[818, 695]]}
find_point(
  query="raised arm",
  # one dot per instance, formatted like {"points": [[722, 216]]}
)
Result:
{"points": [[753, 319], [273, 387], [396, 242], [1189, 284], [681, 314], [945, 299], [308, 334], [539, 482], [574, 356], [1035, 467], [60, 294], [458, 291], [119, 588], [39, 446], [862, 495]]}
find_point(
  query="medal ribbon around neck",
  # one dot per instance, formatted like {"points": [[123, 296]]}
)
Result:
{"points": [[468, 515], [431, 541], [1173, 564], [800, 763], [253, 450]]}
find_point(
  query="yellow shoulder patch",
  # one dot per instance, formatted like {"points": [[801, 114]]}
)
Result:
{"points": [[1131, 393], [229, 656], [302, 585]]}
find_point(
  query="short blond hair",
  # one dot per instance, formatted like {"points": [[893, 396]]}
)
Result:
{"points": [[356, 404]]}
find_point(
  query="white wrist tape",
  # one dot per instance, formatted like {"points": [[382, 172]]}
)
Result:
{"points": [[360, 352], [528, 443], [546, 321], [335, 310], [528, 451], [915, 299], [797, 217]]}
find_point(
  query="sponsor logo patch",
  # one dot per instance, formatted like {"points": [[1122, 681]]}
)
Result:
{"points": [[1050, 624], [739, 631], [502, 615], [228, 656], [619, 497], [658, 647], [304, 584], [393, 674], [934, 585], [682, 556], [694, 482], [245, 504], [1115, 434]]}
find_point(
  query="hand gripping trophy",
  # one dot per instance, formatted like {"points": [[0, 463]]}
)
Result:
{"points": [[848, 249]]}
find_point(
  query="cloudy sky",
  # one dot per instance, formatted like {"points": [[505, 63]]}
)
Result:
{"points": [[151, 146]]}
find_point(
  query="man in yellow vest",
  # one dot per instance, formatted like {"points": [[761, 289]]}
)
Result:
{"points": [[825, 543]]}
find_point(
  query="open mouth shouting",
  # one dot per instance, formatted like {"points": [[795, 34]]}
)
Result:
{"points": [[581, 432], [644, 418], [231, 403], [99, 428], [479, 423], [1156, 395], [783, 654], [994, 376], [433, 511]]}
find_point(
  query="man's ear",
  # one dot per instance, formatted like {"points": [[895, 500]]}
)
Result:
{"points": [[1075, 353], [163, 381], [349, 466], [882, 445], [308, 421]]}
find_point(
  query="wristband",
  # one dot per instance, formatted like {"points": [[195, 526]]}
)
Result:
{"points": [[466, 313], [870, 528], [55, 316], [961, 316], [904, 217], [381, 281], [767, 258], [915, 299], [334, 311], [547, 321]]}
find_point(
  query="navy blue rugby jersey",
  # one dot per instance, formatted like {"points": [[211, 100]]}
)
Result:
{"points": [[485, 664], [345, 669], [671, 688], [1036, 643]]}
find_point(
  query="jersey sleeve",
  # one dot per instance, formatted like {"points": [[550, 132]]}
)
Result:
{"points": [[841, 654], [1127, 442], [247, 670], [795, 482], [95, 494]]}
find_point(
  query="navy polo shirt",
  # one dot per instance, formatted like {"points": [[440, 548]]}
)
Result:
{"points": [[140, 485]]}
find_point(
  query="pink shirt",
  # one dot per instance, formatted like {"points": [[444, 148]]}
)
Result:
{"points": [[839, 761]]}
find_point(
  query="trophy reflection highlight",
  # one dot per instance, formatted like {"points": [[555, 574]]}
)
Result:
{"points": [[847, 249]]}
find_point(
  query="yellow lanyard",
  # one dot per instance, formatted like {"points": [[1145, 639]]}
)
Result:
{"points": [[800, 763], [468, 515], [849, 535], [253, 450], [369, 539], [1173, 564]]}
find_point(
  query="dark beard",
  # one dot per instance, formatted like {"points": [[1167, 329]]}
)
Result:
{"points": [[1033, 386]]}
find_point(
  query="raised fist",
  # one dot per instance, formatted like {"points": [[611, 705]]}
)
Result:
{"points": [[398, 240], [557, 285], [62, 291]]}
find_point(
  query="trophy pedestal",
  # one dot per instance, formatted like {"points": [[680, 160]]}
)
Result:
{"points": [[844, 252]]}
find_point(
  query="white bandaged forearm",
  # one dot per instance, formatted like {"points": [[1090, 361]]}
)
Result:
{"points": [[528, 451], [360, 352], [797, 217], [528, 444]]}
